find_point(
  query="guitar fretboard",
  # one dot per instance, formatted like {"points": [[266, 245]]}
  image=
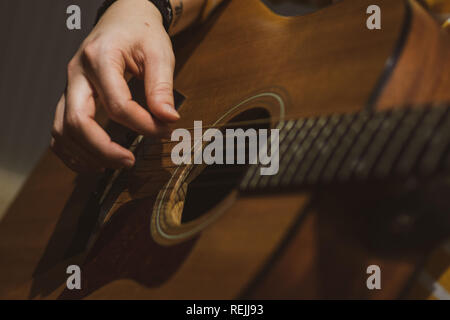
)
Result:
{"points": [[358, 147]]}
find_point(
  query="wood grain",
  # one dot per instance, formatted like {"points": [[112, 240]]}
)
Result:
{"points": [[302, 244]]}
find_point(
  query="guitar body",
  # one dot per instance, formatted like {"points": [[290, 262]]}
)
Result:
{"points": [[308, 243]]}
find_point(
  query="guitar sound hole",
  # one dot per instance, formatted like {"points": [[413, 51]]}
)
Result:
{"points": [[215, 182]]}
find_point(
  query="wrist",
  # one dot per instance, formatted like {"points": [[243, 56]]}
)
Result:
{"points": [[165, 9], [145, 7], [160, 10]]}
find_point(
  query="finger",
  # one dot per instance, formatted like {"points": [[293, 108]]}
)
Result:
{"points": [[115, 94], [83, 157], [71, 162], [79, 120], [57, 145], [72, 150], [158, 80]]}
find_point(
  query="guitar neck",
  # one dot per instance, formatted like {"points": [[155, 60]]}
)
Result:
{"points": [[397, 143]]}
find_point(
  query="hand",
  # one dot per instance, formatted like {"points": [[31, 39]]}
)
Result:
{"points": [[128, 40]]}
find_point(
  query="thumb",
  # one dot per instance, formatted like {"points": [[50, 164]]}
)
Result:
{"points": [[159, 88]]}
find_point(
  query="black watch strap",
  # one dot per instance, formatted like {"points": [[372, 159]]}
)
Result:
{"points": [[164, 7]]}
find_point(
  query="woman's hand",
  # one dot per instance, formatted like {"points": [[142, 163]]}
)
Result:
{"points": [[128, 40]]}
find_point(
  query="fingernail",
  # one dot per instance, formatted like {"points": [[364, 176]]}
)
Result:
{"points": [[171, 111], [129, 163]]}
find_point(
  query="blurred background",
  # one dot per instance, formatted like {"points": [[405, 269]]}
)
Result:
{"points": [[35, 49]]}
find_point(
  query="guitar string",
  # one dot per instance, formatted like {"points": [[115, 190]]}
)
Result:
{"points": [[146, 155], [232, 183], [208, 184], [213, 169], [276, 120], [164, 156], [142, 169], [280, 120], [197, 185], [210, 171]]}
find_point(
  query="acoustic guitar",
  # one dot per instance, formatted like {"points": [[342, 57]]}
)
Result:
{"points": [[364, 152]]}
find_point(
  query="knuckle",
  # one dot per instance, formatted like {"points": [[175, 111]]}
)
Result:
{"points": [[73, 123], [71, 67], [56, 133], [116, 111], [157, 55], [99, 52], [171, 58], [90, 51], [161, 93], [149, 51], [162, 88], [151, 57]]}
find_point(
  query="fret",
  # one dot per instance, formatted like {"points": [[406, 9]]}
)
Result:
{"points": [[419, 140], [330, 147], [291, 135], [387, 130], [250, 178], [397, 143], [299, 125], [345, 146], [288, 142], [365, 163], [302, 149], [353, 158], [285, 160], [284, 133], [358, 147], [316, 148], [437, 147]]}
